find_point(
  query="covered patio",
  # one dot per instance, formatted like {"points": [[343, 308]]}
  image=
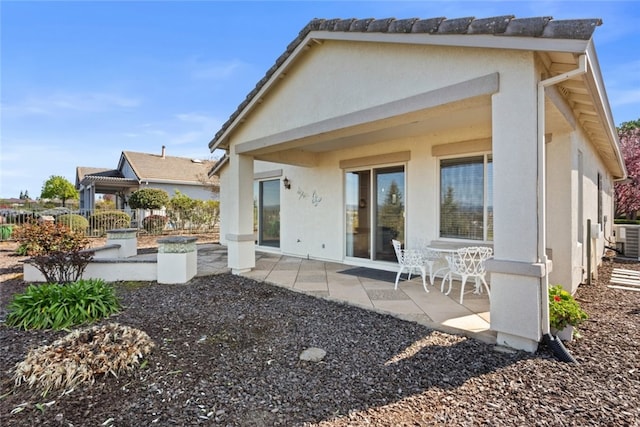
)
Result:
{"points": [[366, 288]]}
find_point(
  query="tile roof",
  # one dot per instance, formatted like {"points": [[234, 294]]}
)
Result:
{"points": [[544, 27], [155, 167]]}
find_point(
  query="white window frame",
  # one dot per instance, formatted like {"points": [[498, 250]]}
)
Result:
{"points": [[485, 210]]}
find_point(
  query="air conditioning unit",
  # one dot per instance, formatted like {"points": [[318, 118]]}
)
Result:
{"points": [[628, 239]]}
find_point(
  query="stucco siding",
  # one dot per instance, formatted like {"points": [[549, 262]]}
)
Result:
{"points": [[127, 171], [341, 78], [562, 200]]}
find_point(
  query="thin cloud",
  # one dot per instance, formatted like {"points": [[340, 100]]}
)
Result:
{"points": [[214, 70], [63, 102]]}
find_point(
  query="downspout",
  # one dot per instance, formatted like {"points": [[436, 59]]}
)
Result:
{"points": [[542, 196]]}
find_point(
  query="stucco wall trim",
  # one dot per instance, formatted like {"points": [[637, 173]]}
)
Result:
{"points": [[268, 174], [240, 237], [518, 268], [463, 147], [461, 40], [400, 156], [348, 124]]}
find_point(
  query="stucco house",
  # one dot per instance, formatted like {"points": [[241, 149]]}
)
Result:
{"points": [[139, 170], [494, 132]]}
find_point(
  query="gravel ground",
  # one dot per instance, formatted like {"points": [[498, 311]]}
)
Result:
{"points": [[227, 353]]}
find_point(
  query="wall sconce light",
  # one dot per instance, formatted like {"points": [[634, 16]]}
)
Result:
{"points": [[286, 183]]}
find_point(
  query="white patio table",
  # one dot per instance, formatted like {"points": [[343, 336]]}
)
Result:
{"points": [[436, 261]]}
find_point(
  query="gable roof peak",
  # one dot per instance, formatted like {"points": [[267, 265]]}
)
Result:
{"points": [[544, 27]]}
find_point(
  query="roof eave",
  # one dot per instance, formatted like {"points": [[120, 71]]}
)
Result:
{"points": [[596, 85]]}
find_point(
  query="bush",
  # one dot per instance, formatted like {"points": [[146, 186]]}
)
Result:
{"points": [[55, 306], [56, 250], [109, 220], [45, 238], [149, 198], [74, 222], [154, 224]]}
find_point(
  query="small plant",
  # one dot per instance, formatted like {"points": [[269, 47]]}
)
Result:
{"points": [[83, 355], [564, 310], [154, 224], [55, 306]]}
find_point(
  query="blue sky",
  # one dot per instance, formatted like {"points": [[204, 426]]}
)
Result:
{"points": [[82, 81]]}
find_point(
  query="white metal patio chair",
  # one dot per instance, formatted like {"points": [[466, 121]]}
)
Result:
{"points": [[434, 260], [466, 263], [409, 259]]}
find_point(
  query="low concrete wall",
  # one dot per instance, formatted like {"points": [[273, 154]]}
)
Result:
{"points": [[176, 261], [109, 270]]}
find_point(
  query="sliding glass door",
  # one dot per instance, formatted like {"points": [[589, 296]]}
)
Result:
{"points": [[267, 201], [375, 207]]}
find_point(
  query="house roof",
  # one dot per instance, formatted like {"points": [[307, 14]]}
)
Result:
{"points": [[561, 42], [166, 169], [83, 172]]}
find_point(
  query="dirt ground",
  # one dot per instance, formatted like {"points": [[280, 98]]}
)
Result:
{"points": [[228, 353]]}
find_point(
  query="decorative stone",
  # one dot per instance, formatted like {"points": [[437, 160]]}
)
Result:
{"points": [[177, 245], [313, 354], [122, 233]]}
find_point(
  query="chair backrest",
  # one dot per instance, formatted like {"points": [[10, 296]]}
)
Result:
{"points": [[397, 247], [470, 260]]}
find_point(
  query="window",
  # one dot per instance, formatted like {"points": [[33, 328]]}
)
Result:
{"points": [[466, 198]]}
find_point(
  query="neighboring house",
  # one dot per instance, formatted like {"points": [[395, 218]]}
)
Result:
{"points": [[142, 170], [459, 132]]}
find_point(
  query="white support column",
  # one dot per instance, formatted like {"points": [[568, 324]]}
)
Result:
{"points": [[516, 269], [239, 214]]}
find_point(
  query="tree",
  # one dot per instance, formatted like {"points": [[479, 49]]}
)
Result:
{"points": [[628, 192], [57, 187], [149, 198]]}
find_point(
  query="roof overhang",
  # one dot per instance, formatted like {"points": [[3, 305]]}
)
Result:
{"points": [[586, 99]]}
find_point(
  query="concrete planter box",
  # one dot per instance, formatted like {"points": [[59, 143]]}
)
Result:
{"points": [[177, 259]]}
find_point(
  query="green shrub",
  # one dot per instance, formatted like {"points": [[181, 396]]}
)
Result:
{"points": [[109, 220], [149, 198], [55, 306], [74, 222], [154, 224]]}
